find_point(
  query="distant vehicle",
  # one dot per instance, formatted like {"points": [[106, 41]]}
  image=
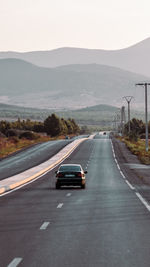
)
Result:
{"points": [[67, 137], [70, 174]]}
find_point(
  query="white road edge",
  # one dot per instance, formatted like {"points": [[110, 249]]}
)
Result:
{"points": [[19, 180]]}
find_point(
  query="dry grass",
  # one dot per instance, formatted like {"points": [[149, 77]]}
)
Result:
{"points": [[138, 149], [11, 145]]}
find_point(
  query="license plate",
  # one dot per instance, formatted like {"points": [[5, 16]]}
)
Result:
{"points": [[69, 175]]}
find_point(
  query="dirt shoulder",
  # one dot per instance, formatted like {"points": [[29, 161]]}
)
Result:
{"points": [[132, 168]]}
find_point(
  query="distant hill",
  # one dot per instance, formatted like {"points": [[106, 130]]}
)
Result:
{"points": [[66, 87], [99, 115], [12, 112], [135, 58], [101, 108]]}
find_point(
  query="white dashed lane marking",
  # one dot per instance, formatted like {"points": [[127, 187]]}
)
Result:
{"points": [[44, 225], [60, 205], [68, 195], [15, 262]]}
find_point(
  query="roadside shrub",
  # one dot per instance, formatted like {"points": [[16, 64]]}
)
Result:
{"points": [[29, 135], [133, 136], [138, 149], [143, 136], [2, 135], [144, 159], [11, 132]]}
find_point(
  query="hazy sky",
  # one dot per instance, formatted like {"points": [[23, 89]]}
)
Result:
{"points": [[27, 25]]}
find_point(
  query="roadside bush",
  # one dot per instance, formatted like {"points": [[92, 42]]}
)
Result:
{"points": [[133, 136], [138, 149], [11, 132], [2, 135], [29, 135], [145, 159], [143, 136]]}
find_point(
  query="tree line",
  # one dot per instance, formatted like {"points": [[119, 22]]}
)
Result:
{"points": [[52, 125], [137, 129]]}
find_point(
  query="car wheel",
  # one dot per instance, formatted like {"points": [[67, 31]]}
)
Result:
{"points": [[83, 186], [57, 186]]}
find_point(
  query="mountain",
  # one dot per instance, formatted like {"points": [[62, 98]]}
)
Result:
{"points": [[66, 87], [135, 58]]}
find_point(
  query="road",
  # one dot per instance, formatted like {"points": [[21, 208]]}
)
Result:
{"points": [[105, 225], [30, 157]]}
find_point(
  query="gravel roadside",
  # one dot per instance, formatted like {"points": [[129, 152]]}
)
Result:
{"points": [[134, 171]]}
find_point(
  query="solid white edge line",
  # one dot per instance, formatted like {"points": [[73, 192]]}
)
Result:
{"points": [[118, 166], [130, 185], [133, 188], [44, 225], [122, 175], [143, 201], [15, 262]]}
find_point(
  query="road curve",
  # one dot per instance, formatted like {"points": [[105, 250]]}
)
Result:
{"points": [[105, 225], [28, 176], [30, 157]]}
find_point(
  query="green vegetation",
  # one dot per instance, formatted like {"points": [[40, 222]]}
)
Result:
{"points": [[138, 149], [53, 126], [22, 133], [135, 140], [96, 117], [137, 129]]}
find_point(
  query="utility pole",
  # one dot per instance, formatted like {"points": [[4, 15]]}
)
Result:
{"points": [[146, 115], [114, 121], [123, 119], [117, 120], [128, 99]]}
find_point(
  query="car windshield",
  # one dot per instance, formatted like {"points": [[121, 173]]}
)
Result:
{"points": [[70, 168]]}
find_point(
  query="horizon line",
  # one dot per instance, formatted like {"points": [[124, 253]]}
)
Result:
{"points": [[72, 47]]}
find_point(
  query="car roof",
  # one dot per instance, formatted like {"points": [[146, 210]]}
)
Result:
{"points": [[70, 165]]}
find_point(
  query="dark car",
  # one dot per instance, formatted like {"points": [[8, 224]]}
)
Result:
{"points": [[70, 174]]}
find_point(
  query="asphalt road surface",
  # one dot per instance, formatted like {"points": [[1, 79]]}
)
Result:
{"points": [[30, 157], [105, 225]]}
